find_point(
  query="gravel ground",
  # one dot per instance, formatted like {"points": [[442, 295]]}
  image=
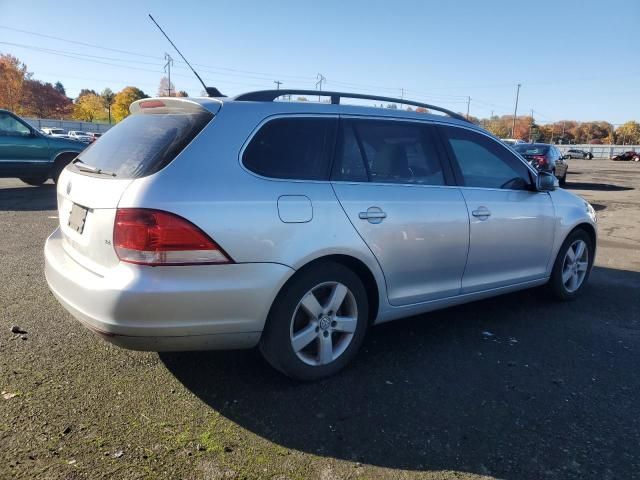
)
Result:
{"points": [[550, 390]]}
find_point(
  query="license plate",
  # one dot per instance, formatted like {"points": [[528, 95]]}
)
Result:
{"points": [[77, 218]]}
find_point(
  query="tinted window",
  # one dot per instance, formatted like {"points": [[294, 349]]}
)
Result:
{"points": [[484, 162], [142, 144], [9, 126], [529, 149], [296, 147], [387, 152]]}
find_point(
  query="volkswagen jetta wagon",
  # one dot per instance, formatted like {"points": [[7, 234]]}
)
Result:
{"points": [[219, 223]]}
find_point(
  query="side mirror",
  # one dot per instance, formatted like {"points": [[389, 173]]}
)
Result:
{"points": [[546, 182]]}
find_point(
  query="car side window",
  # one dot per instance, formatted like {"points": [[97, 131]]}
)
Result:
{"points": [[297, 148], [10, 127], [387, 151], [484, 162]]}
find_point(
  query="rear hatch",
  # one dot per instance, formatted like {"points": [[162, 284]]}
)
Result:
{"points": [[90, 189]]}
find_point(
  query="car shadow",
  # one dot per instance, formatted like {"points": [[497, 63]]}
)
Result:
{"points": [[28, 198], [511, 386], [602, 187]]}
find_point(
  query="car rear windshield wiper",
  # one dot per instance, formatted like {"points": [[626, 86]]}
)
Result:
{"points": [[83, 167]]}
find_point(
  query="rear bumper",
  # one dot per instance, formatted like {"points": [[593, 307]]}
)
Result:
{"points": [[167, 308]]}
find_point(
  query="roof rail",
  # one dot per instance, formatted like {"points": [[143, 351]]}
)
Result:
{"points": [[271, 95]]}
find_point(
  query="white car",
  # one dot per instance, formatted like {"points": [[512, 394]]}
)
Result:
{"points": [[55, 132], [82, 136]]}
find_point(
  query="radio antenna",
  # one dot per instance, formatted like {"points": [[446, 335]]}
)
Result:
{"points": [[211, 91]]}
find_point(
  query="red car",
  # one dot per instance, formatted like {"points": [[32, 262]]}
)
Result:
{"points": [[627, 156]]}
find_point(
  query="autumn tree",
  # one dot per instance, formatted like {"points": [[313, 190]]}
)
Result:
{"points": [[124, 99], [182, 93], [88, 108], [166, 88], [43, 100], [86, 91], [13, 74], [629, 133]]}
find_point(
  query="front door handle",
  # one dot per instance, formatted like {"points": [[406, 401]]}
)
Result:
{"points": [[482, 213], [373, 214]]}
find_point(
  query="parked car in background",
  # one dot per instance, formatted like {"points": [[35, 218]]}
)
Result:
{"points": [[627, 156], [313, 222], [545, 158], [27, 154], [94, 135], [576, 153], [55, 132], [81, 136], [512, 141]]}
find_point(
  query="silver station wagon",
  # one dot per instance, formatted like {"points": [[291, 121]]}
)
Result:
{"points": [[223, 223]]}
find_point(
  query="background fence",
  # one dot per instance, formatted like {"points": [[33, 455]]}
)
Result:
{"points": [[600, 151], [69, 125]]}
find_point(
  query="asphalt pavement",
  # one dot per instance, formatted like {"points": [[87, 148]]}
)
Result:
{"points": [[514, 387]]}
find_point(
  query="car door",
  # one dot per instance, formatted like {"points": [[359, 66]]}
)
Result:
{"points": [[511, 224], [22, 151], [390, 180]]}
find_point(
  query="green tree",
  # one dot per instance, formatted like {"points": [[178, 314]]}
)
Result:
{"points": [[60, 88], [108, 98], [123, 100]]}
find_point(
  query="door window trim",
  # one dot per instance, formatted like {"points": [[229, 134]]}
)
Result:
{"points": [[533, 174], [442, 156]]}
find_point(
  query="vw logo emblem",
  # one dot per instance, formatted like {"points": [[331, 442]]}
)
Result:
{"points": [[68, 188]]}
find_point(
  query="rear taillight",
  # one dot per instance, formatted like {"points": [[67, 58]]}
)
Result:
{"points": [[540, 159], [154, 237]]}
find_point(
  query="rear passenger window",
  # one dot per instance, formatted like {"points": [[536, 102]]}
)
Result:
{"points": [[292, 148], [484, 162], [386, 151]]}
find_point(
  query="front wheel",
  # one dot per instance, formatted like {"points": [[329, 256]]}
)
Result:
{"points": [[35, 181], [317, 323], [572, 266]]}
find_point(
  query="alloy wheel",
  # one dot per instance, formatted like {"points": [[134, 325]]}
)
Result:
{"points": [[324, 323], [575, 265]]}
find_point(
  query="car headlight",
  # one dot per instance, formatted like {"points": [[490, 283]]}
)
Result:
{"points": [[591, 212]]}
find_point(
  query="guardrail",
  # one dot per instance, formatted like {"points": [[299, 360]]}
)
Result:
{"points": [[67, 125], [600, 151]]}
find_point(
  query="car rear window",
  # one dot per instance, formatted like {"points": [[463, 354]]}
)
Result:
{"points": [[297, 148], [142, 144], [525, 149]]}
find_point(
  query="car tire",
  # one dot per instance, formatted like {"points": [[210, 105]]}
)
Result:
{"points": [[568, 276], [590, 156], [299, 332], [35, 181], [61, 162], [563, 181]]}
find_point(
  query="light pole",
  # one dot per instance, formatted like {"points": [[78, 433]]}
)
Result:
{"points": [[468, 103], [515, 113]]}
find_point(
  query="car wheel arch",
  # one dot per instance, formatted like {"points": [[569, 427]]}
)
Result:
{"points": [[354, 264]]}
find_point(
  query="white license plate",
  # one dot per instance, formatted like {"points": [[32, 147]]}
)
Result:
{"points": [[77, 218]]}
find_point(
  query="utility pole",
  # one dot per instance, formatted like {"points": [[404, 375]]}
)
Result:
{"points": [[320, 79], [563, 133], [167, 68], [515, 113], [278, 83], [531, 128], [468, 103]]}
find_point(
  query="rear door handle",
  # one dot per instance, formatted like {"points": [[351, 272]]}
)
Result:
{"points": [[373, 214], [482, 213]]}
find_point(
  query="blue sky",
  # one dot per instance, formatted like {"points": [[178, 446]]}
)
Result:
{"points": [[575, 59]]}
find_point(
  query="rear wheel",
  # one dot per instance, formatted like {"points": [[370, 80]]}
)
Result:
{"points": [[572, 266], [35, 181], [61, 162], [563, 181], [317, 323]]}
